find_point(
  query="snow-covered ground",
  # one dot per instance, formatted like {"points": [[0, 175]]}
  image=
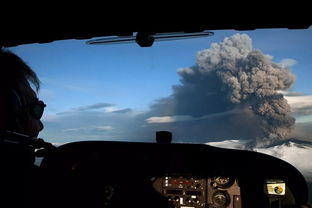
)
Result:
{"points": [[298, 154]]}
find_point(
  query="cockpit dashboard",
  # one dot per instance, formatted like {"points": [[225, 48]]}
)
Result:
{"points": [[129, 174]]}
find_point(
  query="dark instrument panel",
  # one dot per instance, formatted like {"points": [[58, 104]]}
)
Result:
{"points": [[183, 191], [128, 174], [215, 192]]}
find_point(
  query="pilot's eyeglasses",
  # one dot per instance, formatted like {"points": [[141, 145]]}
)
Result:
{"points": [[37, 108]]}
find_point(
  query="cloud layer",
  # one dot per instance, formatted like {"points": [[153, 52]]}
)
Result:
{"points": [[300, 104], [93, 107]]}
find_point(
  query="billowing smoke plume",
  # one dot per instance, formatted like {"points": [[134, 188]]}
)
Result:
{"points": [[233, 85]]}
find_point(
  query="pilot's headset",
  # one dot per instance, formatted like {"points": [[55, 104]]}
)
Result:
{"points": [[14, 108]]}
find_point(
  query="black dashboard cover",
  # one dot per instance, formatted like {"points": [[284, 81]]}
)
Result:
{"points": [[84, 168]]}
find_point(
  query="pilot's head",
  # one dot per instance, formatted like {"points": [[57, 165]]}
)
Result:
{"points": [[20, 109]]}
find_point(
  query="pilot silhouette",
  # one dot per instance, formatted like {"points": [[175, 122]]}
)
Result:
{"points": [[20, 112]]}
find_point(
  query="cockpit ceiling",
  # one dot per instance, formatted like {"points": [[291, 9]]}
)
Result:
{"points": [[22, 32]]}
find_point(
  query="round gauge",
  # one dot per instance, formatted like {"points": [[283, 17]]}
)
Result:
{"points": [[222, 181], [221, 199]]}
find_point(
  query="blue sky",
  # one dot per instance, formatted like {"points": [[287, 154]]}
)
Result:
{"points": [[125, 76]]}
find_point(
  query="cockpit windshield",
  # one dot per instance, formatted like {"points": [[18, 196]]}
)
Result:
{"points": [[236, 89]]}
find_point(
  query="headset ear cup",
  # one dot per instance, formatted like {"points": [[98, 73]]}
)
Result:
{"points": [[13, 106], [15, 102]]}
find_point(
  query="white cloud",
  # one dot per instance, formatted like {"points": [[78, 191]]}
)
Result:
{"points": [[177, 118], [73, 129], [90, 123], [300, 104], [93, 107], [299, 101], [290, 93], [168, 119], [104, 128], [106, 107], [111, 109], [89, 128], [287, 63]]}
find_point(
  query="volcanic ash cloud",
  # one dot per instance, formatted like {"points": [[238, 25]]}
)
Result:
{"points": [[232, 75]]}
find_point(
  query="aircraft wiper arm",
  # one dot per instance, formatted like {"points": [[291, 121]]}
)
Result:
{"points": [[146, 39]]}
